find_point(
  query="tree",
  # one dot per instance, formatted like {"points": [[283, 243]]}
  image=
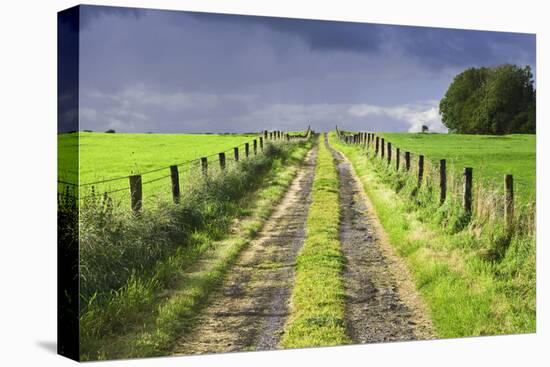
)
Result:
{"points": [[425, 128], [498, 100]]}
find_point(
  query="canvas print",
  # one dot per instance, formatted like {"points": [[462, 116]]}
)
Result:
{"points": [[231, 183]]}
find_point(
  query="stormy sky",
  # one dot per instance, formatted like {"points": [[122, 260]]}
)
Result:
{"points": [[170, 71]]}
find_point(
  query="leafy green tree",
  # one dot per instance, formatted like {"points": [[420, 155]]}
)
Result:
{"points": [[498, 100]]}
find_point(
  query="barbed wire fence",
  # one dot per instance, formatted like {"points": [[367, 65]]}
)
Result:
{"points": [[493, 198], [146, 187]]}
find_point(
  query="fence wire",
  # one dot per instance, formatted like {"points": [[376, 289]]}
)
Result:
{"points": [[158, 186], [488, 194]]}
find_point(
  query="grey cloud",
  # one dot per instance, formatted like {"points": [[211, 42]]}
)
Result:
{"points": [[443, 47], [152, 70], [318, 35], [90, 13]]}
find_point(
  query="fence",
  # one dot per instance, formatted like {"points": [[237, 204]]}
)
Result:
{"points": [[169, 179], [385, 150]]}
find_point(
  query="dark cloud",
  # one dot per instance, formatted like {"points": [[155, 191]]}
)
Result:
{"points": [[89, 13], [155, 70], [67, 69], [443, 47], [318, 35], [438, 47]]}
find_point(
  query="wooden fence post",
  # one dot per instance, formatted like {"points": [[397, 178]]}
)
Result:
{"points": [[509, 200], [420, 169], [407, 161], [265, 134], [261, 144], [204, 166], [467, 200], [246, 150], [174, 174], [222, 160], [397, 158], [382, 147], [442, 180], [136, 193], [389, 153], [270, 135], [255, 146], [376, 146], [236, 153]]}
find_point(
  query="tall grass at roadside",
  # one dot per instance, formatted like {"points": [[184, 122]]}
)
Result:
{"points": [[317, 302], [115, 244], [129, 260], [477, 275]]}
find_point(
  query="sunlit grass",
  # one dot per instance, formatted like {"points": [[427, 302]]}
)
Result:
{"points": [[490, 156], [317, 302]]}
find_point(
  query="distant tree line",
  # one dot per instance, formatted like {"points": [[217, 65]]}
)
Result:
{"points": [[496, 100]]}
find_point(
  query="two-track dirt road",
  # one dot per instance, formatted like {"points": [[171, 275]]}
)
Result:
{"points": [[249, 310]]}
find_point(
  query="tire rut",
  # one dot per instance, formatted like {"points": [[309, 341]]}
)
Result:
{"points": [[249, 310], [374, 310]]}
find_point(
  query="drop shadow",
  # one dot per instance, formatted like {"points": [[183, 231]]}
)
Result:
{"points": [[48, 345]]}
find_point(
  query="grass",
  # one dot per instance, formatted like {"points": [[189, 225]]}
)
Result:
{"points": [[476, 276], [317, 301], [157, 301], [490, 156]]}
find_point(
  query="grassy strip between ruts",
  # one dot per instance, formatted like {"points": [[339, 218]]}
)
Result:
{"points": [[151, 328], [467, 295], [317, 303]]}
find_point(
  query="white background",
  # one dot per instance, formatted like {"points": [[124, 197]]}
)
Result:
{"points": [[28, 176]]}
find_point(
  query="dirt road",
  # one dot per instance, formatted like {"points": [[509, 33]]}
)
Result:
{"points": [[381, 303], [251, 307]]}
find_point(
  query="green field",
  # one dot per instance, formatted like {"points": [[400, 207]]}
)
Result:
{"points": [[106, 156], [490, 156]]}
